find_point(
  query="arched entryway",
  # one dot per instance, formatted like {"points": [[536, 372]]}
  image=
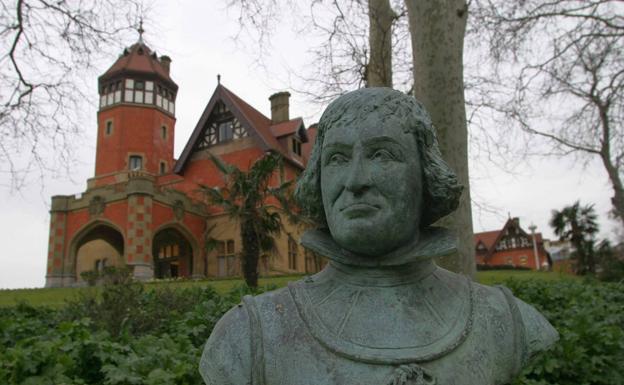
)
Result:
{"points": [[96, 246], [172, 254]]}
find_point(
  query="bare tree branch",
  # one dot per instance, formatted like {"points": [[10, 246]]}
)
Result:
{"points": [[45, 49]]}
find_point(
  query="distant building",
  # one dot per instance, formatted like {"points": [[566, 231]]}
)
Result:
{"points": [[142, 207], [511, 246], [561, 255]]}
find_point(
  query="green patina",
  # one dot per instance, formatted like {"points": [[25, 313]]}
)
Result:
{"points": [[381, 312]]}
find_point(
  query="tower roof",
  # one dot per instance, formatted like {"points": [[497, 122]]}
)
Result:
{"points": [[139, 59]]}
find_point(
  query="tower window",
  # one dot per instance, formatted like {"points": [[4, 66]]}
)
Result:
{"points": [[135, 162], [163, 132], [109, 127], [163, 167]]}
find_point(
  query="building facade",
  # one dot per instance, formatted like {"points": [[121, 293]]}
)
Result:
{"points": [[511, 246], [142, 207]]}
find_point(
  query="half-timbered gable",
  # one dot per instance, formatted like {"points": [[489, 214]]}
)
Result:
{"points": [[511, 246]]}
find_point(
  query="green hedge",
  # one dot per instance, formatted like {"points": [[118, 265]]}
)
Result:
{"points": [[129, 335]]}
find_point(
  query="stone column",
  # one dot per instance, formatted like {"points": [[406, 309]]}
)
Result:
{"points": [[138, 250], [56, 276]]}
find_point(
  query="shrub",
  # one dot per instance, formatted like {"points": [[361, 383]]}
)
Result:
{"points": [[130, 335], [589, 317], [484, 267]]}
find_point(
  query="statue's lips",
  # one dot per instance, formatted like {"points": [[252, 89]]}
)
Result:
{"points": [[359, 209]]}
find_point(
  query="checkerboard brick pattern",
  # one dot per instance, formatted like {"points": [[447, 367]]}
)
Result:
{"points": [[139, 236], [56, 243]]}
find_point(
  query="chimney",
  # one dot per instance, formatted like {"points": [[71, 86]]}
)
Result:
{"points": [[165, 61], [279, 107]]}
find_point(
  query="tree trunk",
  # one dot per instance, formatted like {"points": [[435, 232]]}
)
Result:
{"points": [[437, 28], [250, 253], [380, 18]]}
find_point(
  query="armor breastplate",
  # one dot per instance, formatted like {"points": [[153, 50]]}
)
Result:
{"points": [[327, 343]]}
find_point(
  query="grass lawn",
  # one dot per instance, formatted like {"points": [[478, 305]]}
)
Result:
{"points": [[57, 297]]}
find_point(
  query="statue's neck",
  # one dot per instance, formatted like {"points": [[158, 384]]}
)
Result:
{"points": [[433, 242], [383, 276]]}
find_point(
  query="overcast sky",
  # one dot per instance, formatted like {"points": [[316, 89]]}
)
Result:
{"points": [[198, 37]]}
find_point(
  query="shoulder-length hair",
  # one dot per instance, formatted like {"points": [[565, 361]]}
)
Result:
{"points": [[441, 191]]}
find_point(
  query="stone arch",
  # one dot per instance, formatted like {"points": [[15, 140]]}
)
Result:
{"points": [[175, 252], [99, 240]]}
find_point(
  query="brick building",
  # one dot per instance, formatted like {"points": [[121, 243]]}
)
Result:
{"points": [[511, 245], [142, 207]]}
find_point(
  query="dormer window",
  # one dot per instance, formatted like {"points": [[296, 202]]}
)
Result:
{"points": [[296, 146], [135, 162]]}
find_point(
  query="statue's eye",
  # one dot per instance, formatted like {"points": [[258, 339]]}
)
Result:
{"points": [[382, 155], [336, 159]]}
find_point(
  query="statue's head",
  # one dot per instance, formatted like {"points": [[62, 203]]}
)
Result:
{"points": [[375, 175]]}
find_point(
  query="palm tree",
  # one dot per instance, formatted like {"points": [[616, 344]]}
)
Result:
{"points": [[578, 225], [245, 198]]}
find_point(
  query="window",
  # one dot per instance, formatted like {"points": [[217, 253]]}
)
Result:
{"points": [[292, 253], [109, 128], [227, 263], [163, 167], [225, 131], [135, 162], [509, 261], [264, 264], [163, 132], [296, 146], [100, 264], [523, 260]]}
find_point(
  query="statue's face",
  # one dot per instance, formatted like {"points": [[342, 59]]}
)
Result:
{"points": [[371, 185]]}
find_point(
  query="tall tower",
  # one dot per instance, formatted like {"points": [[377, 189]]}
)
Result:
{"points": [[136, 117]]}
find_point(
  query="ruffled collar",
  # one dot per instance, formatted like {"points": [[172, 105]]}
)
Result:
{"points": [[433, 242]]}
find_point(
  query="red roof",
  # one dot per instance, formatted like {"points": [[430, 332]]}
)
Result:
{"points": [[249, 117], [286, 128], [139, 58], [487, 238]]}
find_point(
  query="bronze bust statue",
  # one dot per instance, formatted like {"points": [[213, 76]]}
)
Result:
{"points": [[381, 312]]}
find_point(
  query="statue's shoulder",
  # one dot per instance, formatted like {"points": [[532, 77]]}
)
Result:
{"points": [[539, 333], [534, 332], [227, 353], [233, 353]]}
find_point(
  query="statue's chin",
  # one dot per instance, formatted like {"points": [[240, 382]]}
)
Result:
{"points": [[366, 246]]}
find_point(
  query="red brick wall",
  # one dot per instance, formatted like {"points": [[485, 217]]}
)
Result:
{"points": [[502, 257], [136, 130]]}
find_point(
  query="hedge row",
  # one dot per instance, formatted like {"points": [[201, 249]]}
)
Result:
{"points": [[133, 336]]}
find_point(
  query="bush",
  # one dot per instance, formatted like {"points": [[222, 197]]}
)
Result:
{"points": [[130, 335], [484, 267], [589, 317]]}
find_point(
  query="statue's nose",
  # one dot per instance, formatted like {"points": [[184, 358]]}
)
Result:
{"points": [[358, 179]]}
